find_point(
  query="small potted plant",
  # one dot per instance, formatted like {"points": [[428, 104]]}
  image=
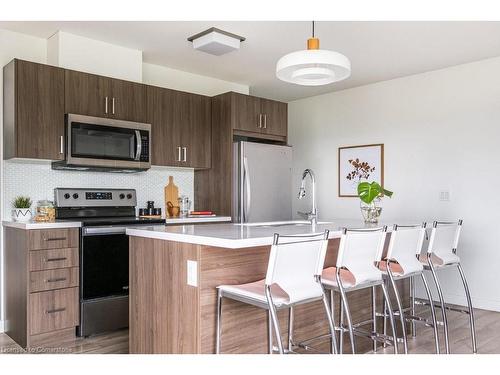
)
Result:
{"points": [[21, 211], [370, 194]]}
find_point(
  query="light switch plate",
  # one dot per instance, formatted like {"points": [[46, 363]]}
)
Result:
{"points": [[444, 196], [192, 273]]}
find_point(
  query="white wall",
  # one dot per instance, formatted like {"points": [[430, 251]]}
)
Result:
{"points": [[441, 132], [178, 80], [93, 56]]}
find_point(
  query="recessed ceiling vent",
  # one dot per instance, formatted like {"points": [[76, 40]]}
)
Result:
{"points": [[215, 41]]}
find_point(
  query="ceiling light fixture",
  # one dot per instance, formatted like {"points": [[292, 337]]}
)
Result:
{"points": [[313, 66], [215, 41]]}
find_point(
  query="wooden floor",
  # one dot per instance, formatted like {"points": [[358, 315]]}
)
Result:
{"points": [[487, 328]]}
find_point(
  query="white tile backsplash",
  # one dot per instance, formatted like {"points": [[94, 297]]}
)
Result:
{"points": [[37, 180]]}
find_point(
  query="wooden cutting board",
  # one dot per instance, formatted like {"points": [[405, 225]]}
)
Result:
{"points": [[171, 193]]}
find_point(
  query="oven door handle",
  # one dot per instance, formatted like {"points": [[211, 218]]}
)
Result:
{"points": [[139, 145], [97, 231]]}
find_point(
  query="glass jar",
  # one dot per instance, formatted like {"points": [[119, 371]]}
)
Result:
{"points": [[45, 211], [371, 212]]}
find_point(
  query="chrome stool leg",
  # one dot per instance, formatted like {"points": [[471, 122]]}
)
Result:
{"points": [[347, 313], [341, 332], [290, 328], [385, 319], [274, 318], [412, 308], [219, 322], [443, 306], [400, 308], [391, 318], [374, 316], [269, 332], [433, 312], [471, 310], [331, 323]]}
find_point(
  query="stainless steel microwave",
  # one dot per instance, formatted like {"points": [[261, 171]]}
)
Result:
{"points": [[96, 143]]}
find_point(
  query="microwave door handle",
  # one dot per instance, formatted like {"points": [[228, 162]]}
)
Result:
{"points": [[139, 145]]}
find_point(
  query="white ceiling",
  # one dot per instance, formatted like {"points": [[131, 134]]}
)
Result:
{"points": [[378, 50]]}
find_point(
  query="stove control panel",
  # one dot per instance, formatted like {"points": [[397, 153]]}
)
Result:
{"points": [[67, 197]]}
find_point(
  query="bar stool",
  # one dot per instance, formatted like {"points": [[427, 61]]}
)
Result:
{"points": [[401, 262], [360, 251], [441, 254], [293, 277]]}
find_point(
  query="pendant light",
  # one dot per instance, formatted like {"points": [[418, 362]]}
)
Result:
{"points": [[313, 66]]}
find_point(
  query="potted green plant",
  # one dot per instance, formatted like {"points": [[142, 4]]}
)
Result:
{"points": [[370, 194], [21, 211]]}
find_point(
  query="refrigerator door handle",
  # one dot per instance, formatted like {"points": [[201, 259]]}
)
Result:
{"points": [[246, 177]]}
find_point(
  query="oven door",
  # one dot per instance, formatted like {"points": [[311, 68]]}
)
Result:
{"points": [[104, 142], [104, 262]]}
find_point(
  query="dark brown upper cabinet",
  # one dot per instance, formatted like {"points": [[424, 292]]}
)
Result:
{"points": [[33, 111], [259, 115], [93, 95], [180, 128]]}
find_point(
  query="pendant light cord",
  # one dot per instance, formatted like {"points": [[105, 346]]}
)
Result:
{"points": [[313, 28]]}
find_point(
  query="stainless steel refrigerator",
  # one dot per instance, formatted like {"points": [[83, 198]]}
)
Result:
{"points": [[262, 182]]}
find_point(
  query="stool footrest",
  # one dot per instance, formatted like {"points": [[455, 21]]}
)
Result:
{"points": [[437, 305]]}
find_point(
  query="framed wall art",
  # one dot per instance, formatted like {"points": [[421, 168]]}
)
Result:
{"points": [[357, 164]]}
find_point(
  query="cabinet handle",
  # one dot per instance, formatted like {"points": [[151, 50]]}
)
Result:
{"points": [[106, 105], [55, 259], [56, 310], [55, 239], [184, 150], [178, 153], [260, 120], [61, 144], [56, 280], [113, 105], [265, 121]]}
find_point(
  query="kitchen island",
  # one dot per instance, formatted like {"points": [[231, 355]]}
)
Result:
{"points": [[174, 272]]}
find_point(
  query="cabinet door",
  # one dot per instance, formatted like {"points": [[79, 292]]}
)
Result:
{"points": [[160, 114], [247, 113], [197, 137], [182, 127], [39, 100], [276, 117], [127, 101], [86, 94]]}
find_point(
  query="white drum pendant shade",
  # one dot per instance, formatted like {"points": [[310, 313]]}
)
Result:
{"points": [[313, 67]]}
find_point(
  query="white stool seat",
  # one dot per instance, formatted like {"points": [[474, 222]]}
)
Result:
{"points": [[329, 278], [451, 259], [256, 291]]}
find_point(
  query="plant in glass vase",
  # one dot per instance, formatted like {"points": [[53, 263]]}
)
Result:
{"points": [[370, 194]]}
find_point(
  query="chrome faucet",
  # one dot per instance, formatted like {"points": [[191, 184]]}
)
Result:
{"points": [[313, 215]]}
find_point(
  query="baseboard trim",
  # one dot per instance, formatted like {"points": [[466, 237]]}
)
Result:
{"points": [[455, 299]]}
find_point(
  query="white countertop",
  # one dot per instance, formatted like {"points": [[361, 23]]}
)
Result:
{"points": [[195, 220], [235, 236], [76, 224], [41, 225]]}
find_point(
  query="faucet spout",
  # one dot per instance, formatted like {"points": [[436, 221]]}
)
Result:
{"points": [[313, 215]]}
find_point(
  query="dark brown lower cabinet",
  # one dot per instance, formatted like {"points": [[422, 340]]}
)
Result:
{"points": [[41, 279]]}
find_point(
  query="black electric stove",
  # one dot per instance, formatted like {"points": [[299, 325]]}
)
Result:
{"points": [[105, 214]]}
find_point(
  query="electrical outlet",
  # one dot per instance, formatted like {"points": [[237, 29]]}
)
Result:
{"points": [[192, 273], [444, 196]]}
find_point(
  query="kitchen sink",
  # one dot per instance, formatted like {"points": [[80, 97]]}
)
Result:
{"points": [[280, 223]]}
